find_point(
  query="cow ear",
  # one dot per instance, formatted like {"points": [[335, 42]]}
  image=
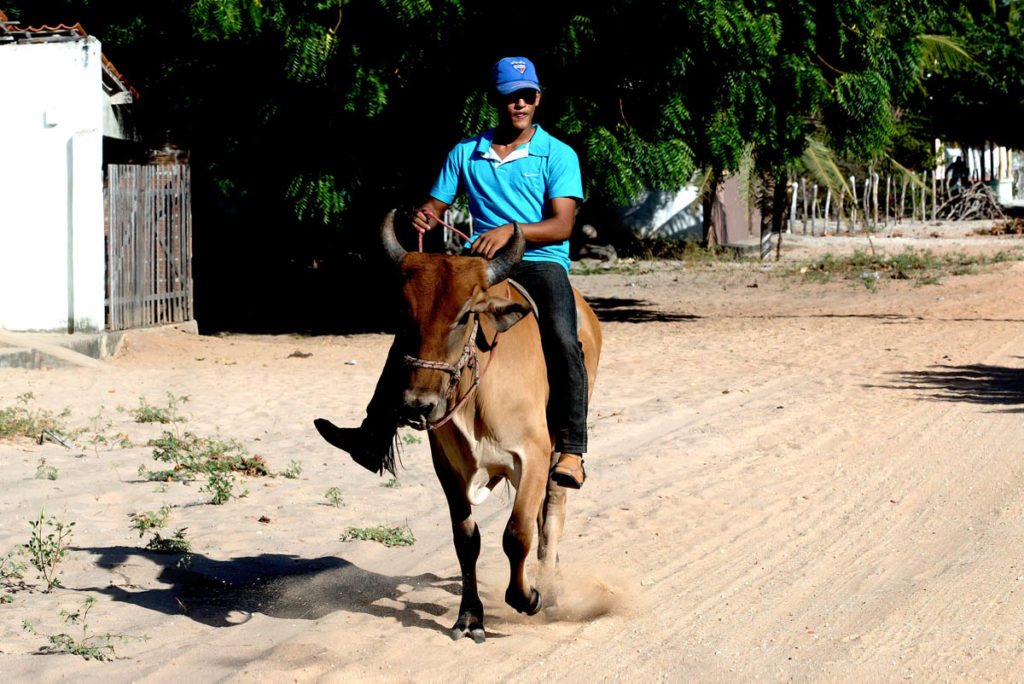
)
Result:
{"points": [[503, 313]]}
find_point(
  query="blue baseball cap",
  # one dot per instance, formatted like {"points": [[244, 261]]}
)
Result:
{"points": [[514, 73]]}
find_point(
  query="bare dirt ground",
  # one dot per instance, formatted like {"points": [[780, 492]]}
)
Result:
{"points": [[788, 481]]}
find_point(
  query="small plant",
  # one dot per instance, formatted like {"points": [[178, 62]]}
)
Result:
{"points": [[89, 646], [146, 413], [334, 496], [393, 483], [192, 456], [293, 470], [22, 421], [411, 438], [12, 571], [46, 549], [97, 435], [177, 543], [45, 472], [221, 485], [388, 536], [143, 522], [924, 267]]}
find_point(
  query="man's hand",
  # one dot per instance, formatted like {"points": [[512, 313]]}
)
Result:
{"points": [[488, 244], [420, 219], [426, 217]]}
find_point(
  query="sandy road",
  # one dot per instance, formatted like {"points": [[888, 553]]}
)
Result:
{"points": [[808, 482]]}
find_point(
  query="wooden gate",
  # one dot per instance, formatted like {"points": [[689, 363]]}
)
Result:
{"points": [[149, 245]]}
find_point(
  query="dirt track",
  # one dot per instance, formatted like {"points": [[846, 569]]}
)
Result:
{"points": [[793, 481]]}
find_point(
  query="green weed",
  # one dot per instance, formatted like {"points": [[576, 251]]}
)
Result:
{"points": [[12, 570], [293, 470], [97, 434], [411, 438], [145, 413], [143, 522], [177, 543], [388, 536], [334, 496], [86, 645], [924, 267], [220, 484], [47, 546], [393, 483], [20, 420], [45, 472], [192, 456]]}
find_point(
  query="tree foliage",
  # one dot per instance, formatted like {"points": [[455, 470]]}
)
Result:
{"points": [[310, 118]]}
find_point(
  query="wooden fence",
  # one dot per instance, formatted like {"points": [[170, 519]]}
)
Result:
{"points": [[875, 202], [149, 245]]}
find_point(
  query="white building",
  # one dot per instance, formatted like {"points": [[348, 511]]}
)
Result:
{"points": [[60, 97]]}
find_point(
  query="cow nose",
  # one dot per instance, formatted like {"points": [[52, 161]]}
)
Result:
{"points": [[417, 407]]}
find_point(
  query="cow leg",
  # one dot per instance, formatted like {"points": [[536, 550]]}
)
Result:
{"points": [[466, 535], [519, 531], [551, 521]]}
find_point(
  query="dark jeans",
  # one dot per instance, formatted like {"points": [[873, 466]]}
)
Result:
{"points": [[548, 284]]}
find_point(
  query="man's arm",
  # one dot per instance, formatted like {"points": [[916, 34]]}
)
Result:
{"points": [[422, 218], [555, 228]]}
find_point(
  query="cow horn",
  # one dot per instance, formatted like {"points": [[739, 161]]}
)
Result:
{"points": [[392, 247], [501, 266]]}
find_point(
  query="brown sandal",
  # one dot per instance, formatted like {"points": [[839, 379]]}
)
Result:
{"points": [[569, 472]]}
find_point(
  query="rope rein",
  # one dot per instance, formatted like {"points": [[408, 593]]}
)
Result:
{"points": [[468, 358], [450, 227]]}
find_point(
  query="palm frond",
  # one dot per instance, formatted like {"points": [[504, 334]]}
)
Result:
{"points": [[944, 53], [820, 163]]}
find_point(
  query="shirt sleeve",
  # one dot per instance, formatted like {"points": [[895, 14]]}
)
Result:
{"points": [[446, 187], [564, 178]]}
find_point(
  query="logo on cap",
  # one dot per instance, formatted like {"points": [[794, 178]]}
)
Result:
{"points": [[519, 66]]}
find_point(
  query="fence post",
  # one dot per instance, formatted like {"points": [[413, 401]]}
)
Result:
{"points": [[828, 202], [874, 198], [935, 196], [792, 204], [803, 203], [888, 185], [839, 212], [814, 206], [853, 204], [924, 198]]}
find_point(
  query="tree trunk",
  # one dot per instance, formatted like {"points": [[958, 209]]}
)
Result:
{"points": [[709, 239]]}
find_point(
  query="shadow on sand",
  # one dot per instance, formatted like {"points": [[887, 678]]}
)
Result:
{"points": [[976, 384], [216, 592], [626, 310]]}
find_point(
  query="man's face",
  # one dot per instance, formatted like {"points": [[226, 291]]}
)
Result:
{"points": [[518, 106]]}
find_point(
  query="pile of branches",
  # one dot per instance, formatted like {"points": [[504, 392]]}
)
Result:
{"points": [[974, 201]]}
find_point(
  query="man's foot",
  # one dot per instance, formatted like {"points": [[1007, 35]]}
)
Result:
{"points": [[569, 472], [357, 442]]}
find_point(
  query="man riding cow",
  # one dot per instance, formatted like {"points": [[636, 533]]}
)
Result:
{"points": [[515, 174]]}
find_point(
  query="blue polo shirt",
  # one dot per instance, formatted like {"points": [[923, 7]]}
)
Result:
{"points": [[517, 189]]}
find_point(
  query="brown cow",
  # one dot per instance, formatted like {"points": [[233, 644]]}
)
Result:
{"points": [[500, 430]]}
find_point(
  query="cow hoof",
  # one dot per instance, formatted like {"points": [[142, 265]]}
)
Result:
{"points": [[468, 626], [476, 634], [531, 607], [536, 605]]}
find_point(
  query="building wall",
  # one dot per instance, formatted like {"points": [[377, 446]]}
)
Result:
{"points": [[52, 256]]}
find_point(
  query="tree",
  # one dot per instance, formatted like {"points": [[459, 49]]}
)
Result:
{"points": [[308, 119]]}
